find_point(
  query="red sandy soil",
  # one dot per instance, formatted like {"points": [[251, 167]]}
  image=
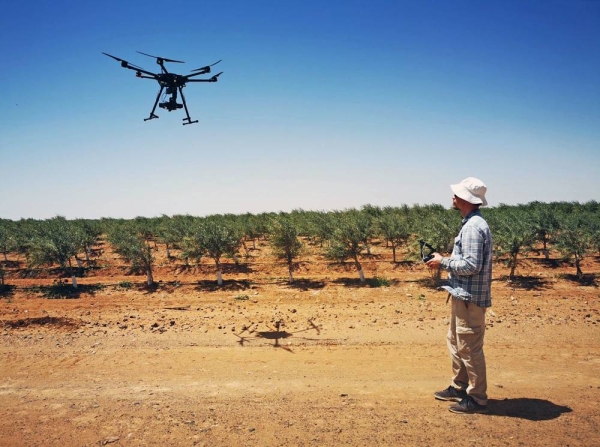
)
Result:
{"points": [[189, 363]]}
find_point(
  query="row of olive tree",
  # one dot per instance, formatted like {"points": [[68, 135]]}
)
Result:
{"points": [[570, 228]]}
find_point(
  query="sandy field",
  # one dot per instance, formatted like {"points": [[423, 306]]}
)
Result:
{"points": [[258, 362]]}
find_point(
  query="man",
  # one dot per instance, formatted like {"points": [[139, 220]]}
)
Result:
{"points": [[469, 285]]}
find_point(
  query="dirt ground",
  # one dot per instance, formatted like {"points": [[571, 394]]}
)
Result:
{"points": [[188, 363]]}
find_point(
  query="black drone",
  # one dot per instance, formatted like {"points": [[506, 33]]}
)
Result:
{"points": [[173, 83]]}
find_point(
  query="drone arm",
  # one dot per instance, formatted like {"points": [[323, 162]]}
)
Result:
{"points": [[213, 79], [200, 71]]}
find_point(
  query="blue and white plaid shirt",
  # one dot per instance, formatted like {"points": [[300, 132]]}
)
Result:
{"points": [[470, 265]]}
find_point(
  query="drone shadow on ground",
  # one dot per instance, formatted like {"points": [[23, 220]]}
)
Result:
{"points": [[526, 408], [277, 334]]}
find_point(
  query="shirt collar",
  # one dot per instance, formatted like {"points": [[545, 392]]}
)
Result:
{"points": [[475, 212]]}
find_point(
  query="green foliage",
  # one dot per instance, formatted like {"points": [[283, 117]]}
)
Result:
{"points": [[348, 238], [394, 228], [283, 235], [319, 225], [378, 281], [125, 285], [576, 239], [55, 241], [436, 225], [129, 242], [8, 241], [514, 230], [214, 237]]}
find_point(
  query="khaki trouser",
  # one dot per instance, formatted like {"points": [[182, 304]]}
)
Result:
{"points": [[465, 343]]}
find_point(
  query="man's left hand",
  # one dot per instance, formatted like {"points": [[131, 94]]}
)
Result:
{"points": [[434, 263]]}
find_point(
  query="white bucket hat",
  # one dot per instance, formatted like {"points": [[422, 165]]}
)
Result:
{"points": [[472, 190]]}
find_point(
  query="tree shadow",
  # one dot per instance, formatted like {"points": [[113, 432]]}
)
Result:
{"points": [[11, 264], [404, 265], [229, 285], [550, 263], [306, 284], [64, 290], [526, 282], [588, 279], [59, 322], [349, 282], [430, 282], [526, 408], [235, 268], [7, 290]]}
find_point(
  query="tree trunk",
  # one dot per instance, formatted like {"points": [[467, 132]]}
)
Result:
{"points": [[513, 266], [246, 249], [219, 273], [70, 271], [168, 252], [291, 270], [394, 252], [149, 277], [578, 266], [361, 274]]}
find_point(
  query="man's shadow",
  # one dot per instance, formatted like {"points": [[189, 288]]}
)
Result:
{"points": [[526, 408]]}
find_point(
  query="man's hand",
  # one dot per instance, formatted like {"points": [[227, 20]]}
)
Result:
{"points": [[434, 263]]}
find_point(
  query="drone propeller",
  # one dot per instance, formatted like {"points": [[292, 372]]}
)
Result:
{"points": [[214, 78], [114, 57], [161, 58], [207, 68], [124, 63]]}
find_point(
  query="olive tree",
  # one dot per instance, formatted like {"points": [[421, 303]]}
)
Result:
{"points": [[285, 242], [7, 237], [575, 240], [130, 243], [56, 241], [514, 232], [216, 237], [395, 230], [348, 239]]}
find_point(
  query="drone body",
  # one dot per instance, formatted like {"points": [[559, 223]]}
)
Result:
{"points": [[171, 83]]}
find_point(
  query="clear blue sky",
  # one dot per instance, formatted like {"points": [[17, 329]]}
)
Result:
{"points": [[322, 105]]}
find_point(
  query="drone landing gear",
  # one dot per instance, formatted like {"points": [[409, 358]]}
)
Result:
{"points": [[171, 104]]}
